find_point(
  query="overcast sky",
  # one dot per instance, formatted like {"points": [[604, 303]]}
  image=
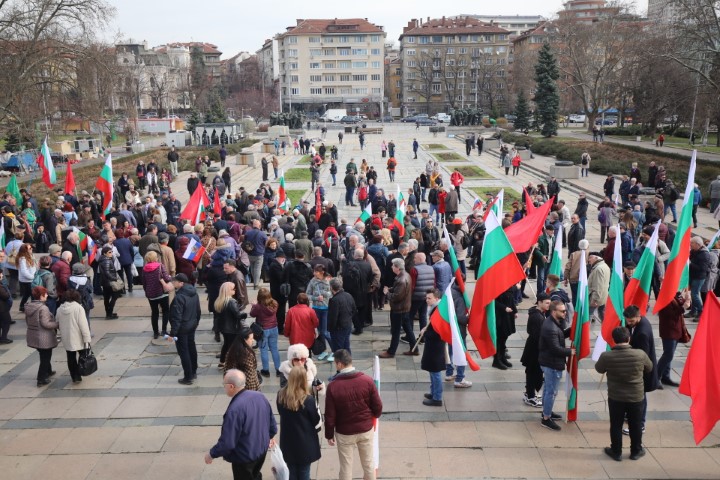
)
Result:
{"points": [[234, 26]]}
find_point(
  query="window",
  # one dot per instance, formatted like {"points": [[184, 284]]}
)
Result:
{"points": [[292, 40], [461, 74], [375, 77], [376, 90], [343, 39], [410, 39], [328, 52], [412, 63], [294, 78], [450, 51], [359, 51], [435, 74], [398, 84], [345, 91], [359, 38], [398, 71], [424, 40], [293, 65], [398, 96], [314, 39], [502, 36], [410, 52], [410, 76], [316, 91], [359, 78], [375, 51], [343, 52], [359, 65], [463, 51], [411, 99], [328, 39], [436, 88], [437, 39], [449, 63], [292, 52], [500, 86], [316, 78], [375, 38], [344, 64], [315, 52], [329, 65], [314, 65], [294, 91], [329, 90], [345, 78], [360, 91], [329, 78], [487, 38], [375, 65]]}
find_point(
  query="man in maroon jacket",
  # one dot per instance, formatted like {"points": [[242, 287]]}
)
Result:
{"points": [[351, 407]]}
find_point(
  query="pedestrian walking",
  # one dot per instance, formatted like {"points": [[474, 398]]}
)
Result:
{"points": [[184, 319]]}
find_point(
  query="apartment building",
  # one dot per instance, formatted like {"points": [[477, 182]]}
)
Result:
{"points": [[332, 63], [664, 11], [450, 63], [515, 24], [587, 11]]}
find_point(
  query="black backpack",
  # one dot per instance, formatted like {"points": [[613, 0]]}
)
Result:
{"points": [[352, 281]]}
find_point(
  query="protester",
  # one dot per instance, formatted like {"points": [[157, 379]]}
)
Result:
{"points": [[74, 331], [41, 326]]}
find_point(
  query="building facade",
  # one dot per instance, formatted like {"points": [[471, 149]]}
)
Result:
{"points": [[587, 11], [515, 24], [332, 63]]}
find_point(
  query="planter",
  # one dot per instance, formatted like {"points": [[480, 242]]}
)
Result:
{"points": [[246, 158], [564, 163]]}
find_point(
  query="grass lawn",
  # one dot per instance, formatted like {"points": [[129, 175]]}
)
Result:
{"points": [[298, 175], [305, 160], [449, 157], [296, 195], [435, 146], [471, 171], [509, 196]]}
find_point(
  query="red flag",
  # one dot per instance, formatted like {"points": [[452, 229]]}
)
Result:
{"points": [[69, 179], [529, 205], [701, 376], [524, 233], [194, 211], [217, 208], [318, 203]]}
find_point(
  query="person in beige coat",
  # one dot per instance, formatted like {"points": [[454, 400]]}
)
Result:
{"points": [[41, 334], [598, 284], [572, 268], [74, 331]]}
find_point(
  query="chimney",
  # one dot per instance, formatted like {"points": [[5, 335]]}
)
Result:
{"points": [[428, 19]]}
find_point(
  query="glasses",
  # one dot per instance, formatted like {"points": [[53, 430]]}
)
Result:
{"points": [[561, 311], [300, 359]]}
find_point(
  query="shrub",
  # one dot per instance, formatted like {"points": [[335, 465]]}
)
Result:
{"points": [[628, 130], [502, 122]]}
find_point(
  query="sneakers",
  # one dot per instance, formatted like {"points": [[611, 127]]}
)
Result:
{"points": [[322, 356], [533, 402], [626, 430], [183, 381], [404, 339], [265, 373], [550, 423], [449, 378], [463, 384], [555, 416], [330, 358], [432, 403]]}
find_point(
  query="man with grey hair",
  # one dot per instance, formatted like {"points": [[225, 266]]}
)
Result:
{"points": [[341, 310], [247, 431], [400, 297], [357, 277], [422, 278], [701, 262]]}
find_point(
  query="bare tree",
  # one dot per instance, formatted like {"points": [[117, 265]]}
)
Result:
{"points": [[455, 74], [423, 75]]}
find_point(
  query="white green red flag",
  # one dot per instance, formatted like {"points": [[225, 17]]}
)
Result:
{"points": [[104, 184], [366, 214], [638, 290], [44, 161], [196, 210], [455, 264], [499, 269], [399, 221], [615, 303], [444, 322], [579, 339], [284, 204], [498, 204], [714, 239], [86, 245], [674, 280], [556, 267], [3, 237], [376, 421]]}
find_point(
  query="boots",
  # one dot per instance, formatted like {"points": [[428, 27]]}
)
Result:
{"points": [[498, 363]]}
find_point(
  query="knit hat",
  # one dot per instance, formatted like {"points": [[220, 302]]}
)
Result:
{"points": [[54, 248]]}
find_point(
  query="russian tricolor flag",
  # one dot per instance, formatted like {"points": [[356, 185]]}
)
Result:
{"points": [[194, 251]]}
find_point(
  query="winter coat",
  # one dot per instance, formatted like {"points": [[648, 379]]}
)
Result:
{"points": [[552, 345], [152, 273], [451, 202], [712, 278], [341, 310], [599, 282], [62, 272], [107, 271], [351, 404], [74, 329], [184, 311], [536, 318], [230, 322], [642, 338], [264, 316], [26, 272], [670, 319], [400, 295], [701, 262], [443, 274], [299, 441], [433, 356], [298, 274], [317, 288], [625, 367], [301, 321], [41, 325], [125, 249]]}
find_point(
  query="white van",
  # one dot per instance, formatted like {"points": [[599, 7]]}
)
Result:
{"points": [[443, 118], [334, 115]]}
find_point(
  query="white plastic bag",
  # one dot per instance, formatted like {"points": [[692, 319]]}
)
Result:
{"points": [[279, 467]]}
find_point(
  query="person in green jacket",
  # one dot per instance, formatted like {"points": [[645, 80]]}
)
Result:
{"points": [[542, 255]]}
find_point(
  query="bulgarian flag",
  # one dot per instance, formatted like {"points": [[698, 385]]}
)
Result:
{"points": [[283, 203], [615, 303], [556, 262], [366, 214], [45, 163], [3, 237], [498, 204], [195, 210], [499, 269], [444, 322], [638, 290], [579, 338], [680, 254], [400, 212], [217, 208], [86, 245], [457, 273], [376, 421], [105, 185]]}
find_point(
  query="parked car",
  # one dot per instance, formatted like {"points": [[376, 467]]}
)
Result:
{"points": [[385, 119], [350, 119], [425, 121], [443, 117], [607, 121], [576, 118], [511, 118]]}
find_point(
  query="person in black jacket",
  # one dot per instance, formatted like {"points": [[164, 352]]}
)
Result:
{"points": [[505, 313], [357, 277], [108, 274], [433, 357], [575, 234], [701, 262], [184, 319], [298, 274], [341, 310], [5, 305], [581, 209], [276, 277], [642, 338], [552, 355], [533, 373]]}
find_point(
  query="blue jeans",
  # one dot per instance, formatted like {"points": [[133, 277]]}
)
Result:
{"points": [[697, 304], [322, 319], [436, 385], [299, 471], [665, 361], [449, 368], [541, 276], [269, 342], [423, 190], [333, 177], [349, 194], [672, 208], [256, 262], [340, 339], [550, 388], [434, 208]]}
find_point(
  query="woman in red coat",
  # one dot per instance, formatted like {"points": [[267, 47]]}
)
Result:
{"points": [[442, 195], [671, 328], [301, 322]]}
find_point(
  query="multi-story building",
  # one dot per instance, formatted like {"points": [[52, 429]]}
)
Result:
{"points": [[515, 24], [587, 11], [664, 11], [393, 81], [332, 63], [450, 63], [524, 52]]}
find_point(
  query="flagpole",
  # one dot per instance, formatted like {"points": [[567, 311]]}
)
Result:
{"points": [[568, 379]]}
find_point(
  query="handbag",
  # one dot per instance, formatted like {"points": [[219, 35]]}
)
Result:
{"points": [[685, 336], [285, 289], [117, 285], [317, 383], [318, 345], [257, 331], [87, 365]]}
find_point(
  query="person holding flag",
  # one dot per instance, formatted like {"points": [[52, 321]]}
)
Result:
{"points": [[433, 357]]}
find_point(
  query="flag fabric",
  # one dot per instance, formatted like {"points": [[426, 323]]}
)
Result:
{"points": [[499, 203], [477, 204], [529, 205], [638, 290], [13, 189], [444, 322], [318, 202], [713, 240], [524, 233], [457, 273], [283, 203], [69, 179], [366, 214], [217, 208], [556, 266], [105, 185], [615, 303], [195, 210], [701, 375], [3, 239], [400, 212], [194, 251], [376, 421], [86, 245], [489, 208], [45, 163], [579, 339], [674, 280], [498, 270]]}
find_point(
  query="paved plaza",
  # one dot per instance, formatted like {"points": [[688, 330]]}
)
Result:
{"points": [[131, 420]]}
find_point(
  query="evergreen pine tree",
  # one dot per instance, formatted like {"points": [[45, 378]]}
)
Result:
{"points": [[194, 119], [522, 112], [547, 98]]}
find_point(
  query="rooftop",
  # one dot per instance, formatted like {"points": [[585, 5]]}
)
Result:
{"points": [[445, 25], [333, 25]]}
